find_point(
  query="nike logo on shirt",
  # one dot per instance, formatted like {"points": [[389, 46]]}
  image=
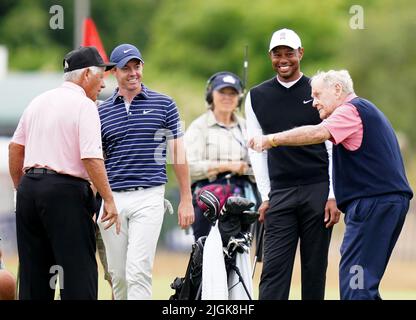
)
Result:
{"points": [[307, 101], [147, 111]]}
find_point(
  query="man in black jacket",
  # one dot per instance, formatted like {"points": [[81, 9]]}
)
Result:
{"points": [[298, 202]]}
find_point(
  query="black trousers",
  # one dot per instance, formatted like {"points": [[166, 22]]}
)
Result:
{"points": [[56, 236], [295, 213]]}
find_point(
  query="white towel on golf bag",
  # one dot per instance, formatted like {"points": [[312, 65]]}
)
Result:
{"points": [[214, 275], [237, 292]]}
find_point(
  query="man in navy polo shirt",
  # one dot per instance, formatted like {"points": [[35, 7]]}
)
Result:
{"points": [[137, 124], [370, 182]]}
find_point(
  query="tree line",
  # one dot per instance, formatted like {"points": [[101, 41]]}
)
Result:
{"points": [[193, 39]]}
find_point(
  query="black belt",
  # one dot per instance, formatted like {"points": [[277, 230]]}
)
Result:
{"points": [[223, 178], [40, 171], [131, 189]]}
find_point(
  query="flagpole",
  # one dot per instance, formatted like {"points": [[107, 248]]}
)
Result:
{"points": [[81, 11]]}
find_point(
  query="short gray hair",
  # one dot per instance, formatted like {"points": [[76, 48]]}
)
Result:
{"points": [[76, 74], [333, 77]]}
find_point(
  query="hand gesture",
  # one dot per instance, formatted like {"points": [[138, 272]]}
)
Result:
{"points": [[110, 214], [331, 213], [263, 209], [186, 215], [260, 143], [238, 167]]}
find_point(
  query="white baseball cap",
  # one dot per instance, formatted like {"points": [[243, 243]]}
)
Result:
{"points": [[285, 37]]}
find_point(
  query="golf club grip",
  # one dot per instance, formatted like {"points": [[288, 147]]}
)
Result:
{"points": [[259, 243]]}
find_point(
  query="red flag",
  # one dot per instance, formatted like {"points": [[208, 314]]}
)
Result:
{"points": [[91, 38]]}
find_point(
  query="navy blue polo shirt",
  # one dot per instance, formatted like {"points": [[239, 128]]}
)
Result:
{"points": [[135, 143]]}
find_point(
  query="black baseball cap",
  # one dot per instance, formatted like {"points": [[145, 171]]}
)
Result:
{"points": [[84, 57]]}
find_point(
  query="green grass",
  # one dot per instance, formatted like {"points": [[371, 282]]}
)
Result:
{"points": [[170, 265]]}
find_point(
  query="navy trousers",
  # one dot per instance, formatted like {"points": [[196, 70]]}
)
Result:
{"points": [[372, 227]]}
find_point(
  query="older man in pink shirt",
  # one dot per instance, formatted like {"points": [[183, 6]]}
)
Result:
{"points": [[54, 154], [370, 182]]}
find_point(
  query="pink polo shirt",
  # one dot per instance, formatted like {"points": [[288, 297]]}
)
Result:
{"points": [[345, 125], [58, 129]]}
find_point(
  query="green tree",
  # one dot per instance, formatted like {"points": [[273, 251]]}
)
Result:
{"points": [[126, 21], [33, 45], [25, 30], [381, 60], [202, 37]]}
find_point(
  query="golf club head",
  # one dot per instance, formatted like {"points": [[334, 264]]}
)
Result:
{"points": [[239, 244], [212, 204], [249, 217], [236, 205]]}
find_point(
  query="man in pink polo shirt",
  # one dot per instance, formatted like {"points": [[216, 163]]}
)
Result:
{"points": [[54, 154], [370, 182]]}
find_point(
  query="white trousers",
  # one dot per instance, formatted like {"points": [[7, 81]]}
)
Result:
{"points": [[131, 253]]}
